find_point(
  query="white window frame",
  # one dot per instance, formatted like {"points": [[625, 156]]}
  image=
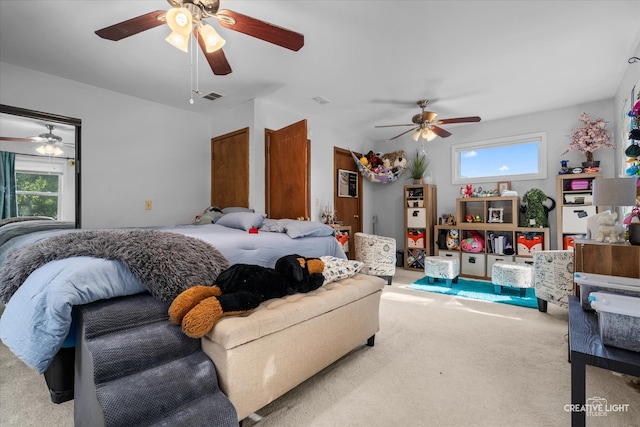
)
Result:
{"points": [[538, 137], [44, 165]]}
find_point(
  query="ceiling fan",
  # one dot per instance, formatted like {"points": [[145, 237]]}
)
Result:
{"points": [[187, 16], [426, 125], [50, 144]]}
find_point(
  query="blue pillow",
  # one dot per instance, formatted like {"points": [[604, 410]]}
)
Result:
{"points": [[297, 229], [241, 220]]}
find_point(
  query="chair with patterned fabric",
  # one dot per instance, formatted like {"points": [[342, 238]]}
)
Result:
{"points": [[553, 277], [377, 253]]}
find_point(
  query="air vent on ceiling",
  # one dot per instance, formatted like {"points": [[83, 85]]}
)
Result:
{"points": [[321, 100], [212, 96]]}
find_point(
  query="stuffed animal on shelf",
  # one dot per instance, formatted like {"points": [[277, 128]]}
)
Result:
{"points": [[240, 289], [473, 243], [609, 228], [453, 239]]}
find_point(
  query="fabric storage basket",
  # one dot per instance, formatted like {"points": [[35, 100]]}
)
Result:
{"points": [[618, 319], [589, 283], [472, 264], [415, 239], [416, 218]]}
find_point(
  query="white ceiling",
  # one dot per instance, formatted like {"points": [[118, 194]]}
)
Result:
{"points": [[372, 59]]}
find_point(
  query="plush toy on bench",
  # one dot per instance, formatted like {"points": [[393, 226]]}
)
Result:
{"points": [[241, 288]]}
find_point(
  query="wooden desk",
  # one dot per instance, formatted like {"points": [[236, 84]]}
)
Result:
{"points": [[610, 259], [586, 348]]}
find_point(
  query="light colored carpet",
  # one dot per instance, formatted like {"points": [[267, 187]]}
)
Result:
{"points": [[438, 360]]}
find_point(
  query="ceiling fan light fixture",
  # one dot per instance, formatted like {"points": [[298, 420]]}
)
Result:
{"points": [[49, 150], [180, 20], [212, 39], [428, 134], [416, 134], [178, 40]]}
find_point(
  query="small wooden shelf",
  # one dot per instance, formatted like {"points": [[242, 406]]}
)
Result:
{"points": [[419, 204], [571, 217], [479, 264]]}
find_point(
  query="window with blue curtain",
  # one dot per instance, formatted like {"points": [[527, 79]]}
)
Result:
{"points": [[8, 202]]}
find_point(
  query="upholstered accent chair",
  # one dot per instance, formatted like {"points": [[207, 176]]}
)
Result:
{"points": [[553, 277], [377, 253]]}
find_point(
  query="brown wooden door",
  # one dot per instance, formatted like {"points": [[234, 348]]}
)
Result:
{"points": [[348, 209], [230, 169], [287, 172]]}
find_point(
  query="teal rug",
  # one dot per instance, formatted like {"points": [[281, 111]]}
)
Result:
{"points": [[477, 289]]}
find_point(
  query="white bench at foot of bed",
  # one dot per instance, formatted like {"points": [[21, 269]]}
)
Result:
{"points": [[261, 356]]}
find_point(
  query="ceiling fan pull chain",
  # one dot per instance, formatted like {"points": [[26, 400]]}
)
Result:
{"points": [[191, 72], [197, 68]]}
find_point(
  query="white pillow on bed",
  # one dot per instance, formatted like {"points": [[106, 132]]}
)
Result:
{"points": [[337, 268], [297, 229], [241, 220]]}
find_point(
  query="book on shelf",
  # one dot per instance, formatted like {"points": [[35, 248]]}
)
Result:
{"points": [[499, 244]]}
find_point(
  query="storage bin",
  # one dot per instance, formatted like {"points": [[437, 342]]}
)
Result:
{"points": [[574, 218], [618, 319], [529, 243], [568, 242], [415, 203], [579, 184], [472, 264], [590, 283], [416, 218], [415, 239]]}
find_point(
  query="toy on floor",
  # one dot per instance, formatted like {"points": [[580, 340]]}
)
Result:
{"points": [[240, 289]]}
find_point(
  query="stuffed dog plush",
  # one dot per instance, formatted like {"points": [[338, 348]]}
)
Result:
{"points": [[240, 289]]}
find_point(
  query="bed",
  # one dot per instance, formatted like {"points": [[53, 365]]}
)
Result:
{"points": [[37, 320]]}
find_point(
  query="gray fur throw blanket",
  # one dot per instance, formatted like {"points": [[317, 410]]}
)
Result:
{"points": [[166, 263]]}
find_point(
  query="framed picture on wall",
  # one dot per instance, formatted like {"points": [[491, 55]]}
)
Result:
{"points": [[504, 185], [347, 183]]}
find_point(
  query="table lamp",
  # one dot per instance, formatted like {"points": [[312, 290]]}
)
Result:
{"points": [[615, 192]]}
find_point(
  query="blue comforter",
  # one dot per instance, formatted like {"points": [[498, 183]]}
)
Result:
{"points": [[38, 317]]}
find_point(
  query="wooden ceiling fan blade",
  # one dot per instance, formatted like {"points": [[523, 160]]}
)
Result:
{"points": [[398, 136], [132, 26], [440, 132], [217, 59], [10, 138], [459, 120], [261, 30], [392, 126]]}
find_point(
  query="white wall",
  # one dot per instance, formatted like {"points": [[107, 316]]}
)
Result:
{"points": [[132, 150]]}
